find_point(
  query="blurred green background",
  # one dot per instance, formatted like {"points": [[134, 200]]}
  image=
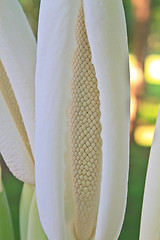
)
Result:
{"points": [[143, 25]]}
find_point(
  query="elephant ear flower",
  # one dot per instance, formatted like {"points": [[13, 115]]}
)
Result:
{"points": [[82, 119], [150, 219]]}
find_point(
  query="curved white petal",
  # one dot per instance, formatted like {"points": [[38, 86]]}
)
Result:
{"points": [[12, 147], [150, 220], [105, 24], [53, 76], [18, 54]]}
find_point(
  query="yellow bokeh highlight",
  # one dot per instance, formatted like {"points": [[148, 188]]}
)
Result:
{"points": [[143, 135], [136, 74], [133, 69], [152, 69]]}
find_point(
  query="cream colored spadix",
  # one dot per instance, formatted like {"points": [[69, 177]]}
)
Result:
{"points": [[17, 67], [85, 137], [150, 219], [82, 88]]}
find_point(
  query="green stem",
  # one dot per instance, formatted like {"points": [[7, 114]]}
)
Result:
{"points": [[25, 203], [35, 230]]}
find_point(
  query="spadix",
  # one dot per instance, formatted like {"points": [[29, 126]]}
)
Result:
{"points": [[85, 137]]}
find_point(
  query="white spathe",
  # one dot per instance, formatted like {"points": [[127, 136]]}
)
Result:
{"points": [[54, 55], [150, 219], [105, 24]]}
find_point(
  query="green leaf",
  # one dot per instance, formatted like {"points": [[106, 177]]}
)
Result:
{"points": [[6, 227]]}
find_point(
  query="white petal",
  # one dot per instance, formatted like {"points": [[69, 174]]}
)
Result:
{"points": [[53, 76], [12, 147], [150, 220], [18, 54], [105, 24]]}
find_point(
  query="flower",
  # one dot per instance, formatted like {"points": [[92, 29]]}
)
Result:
{"points": [[82, 47], [150, 220], [81, 141]]}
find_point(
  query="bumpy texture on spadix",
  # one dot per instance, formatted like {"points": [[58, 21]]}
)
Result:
{"points": [[9, 96], [85, 136]]}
